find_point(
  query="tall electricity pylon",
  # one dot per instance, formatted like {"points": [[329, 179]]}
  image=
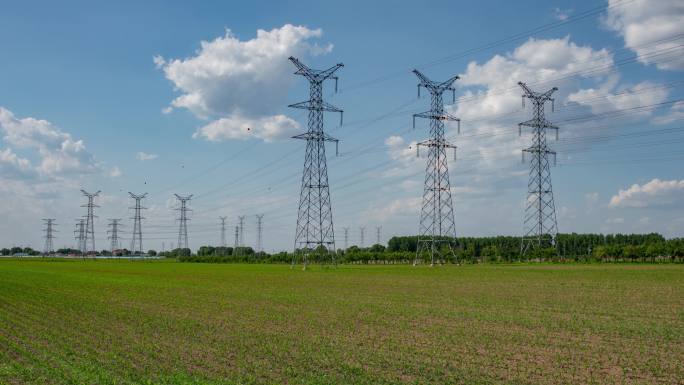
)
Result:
{"points": [[236, 247], [314, 220], [346, 237], [260, 230], [437, 228], [223, 231], [136, 240], [183, 220], [80, 235], [362, 236], [89, 233], [113, 232], [49, 235], [378, 230], [540, 224], [241, 225]]}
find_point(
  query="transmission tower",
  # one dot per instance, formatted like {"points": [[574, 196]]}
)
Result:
{"points": [[540, 224], [113, 232], [314, 220], [378, 230], [241, 225], [183, 227], [362, 236], [80, 235], [136, 241], [260, 229], [223, 231], [346, 237], [89, 233], [49, 235], [437, 228], [236, 248]]}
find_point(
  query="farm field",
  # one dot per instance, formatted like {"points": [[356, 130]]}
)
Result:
{"points": [[126, 322]]}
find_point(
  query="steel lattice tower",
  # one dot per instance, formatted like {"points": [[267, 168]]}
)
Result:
{"points": [[362, 236], [114, 234], [314, 219], [236, 248], [260, 230], [49, 235], [183, 221], [223, 231], [378, 230], [89, 232], [241, 226], [346, 237], [437, 225], [80, 235], [540, 224], [136, 240]]}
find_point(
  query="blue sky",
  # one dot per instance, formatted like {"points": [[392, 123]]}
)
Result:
{"points": [[125, 97]]}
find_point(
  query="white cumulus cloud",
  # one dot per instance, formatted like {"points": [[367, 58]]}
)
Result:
{"points": [[236, 127], [59, 152], [676, 113], [115, 172], [14, 167], [143, 156], [608, 97], [652, 29], [233, 81], [656, 193]]}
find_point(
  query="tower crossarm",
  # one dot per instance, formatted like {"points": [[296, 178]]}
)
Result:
{"points": [[436, 87], [320, 136], [315, 75], [539, 96], [309, 105], [444, 116], [538, 123], [437, 143]]}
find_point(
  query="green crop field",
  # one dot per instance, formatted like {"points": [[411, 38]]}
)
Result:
{"points": [[121, 322]]}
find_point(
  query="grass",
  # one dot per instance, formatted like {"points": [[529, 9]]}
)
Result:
{"points": [[121, 322]]}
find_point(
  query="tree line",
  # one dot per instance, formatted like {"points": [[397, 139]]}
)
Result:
{"points": [[651, 247]]}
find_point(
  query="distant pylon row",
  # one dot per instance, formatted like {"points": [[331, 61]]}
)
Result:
{"points": [[362, 236], [240, 233], [84, 233]]}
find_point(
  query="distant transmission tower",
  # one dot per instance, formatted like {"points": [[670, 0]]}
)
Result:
{"points": [[437, 228], [80, 235], [241, 225], [260, 230], [236, 248], [223, 231], [183, 227], [378, 230], [136, 241], [346, 237], [113, 232], [49, 235], [89, 233], [362, 236], [540, 224], [314, 219]]}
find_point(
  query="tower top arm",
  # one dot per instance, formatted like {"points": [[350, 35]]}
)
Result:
{"points": [[541, 96], [435, 86], [136, 196], [91, 194], [312, 74]]}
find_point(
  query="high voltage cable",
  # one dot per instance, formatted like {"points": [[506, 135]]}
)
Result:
{"points": [[371, 120], [509, 39]]}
